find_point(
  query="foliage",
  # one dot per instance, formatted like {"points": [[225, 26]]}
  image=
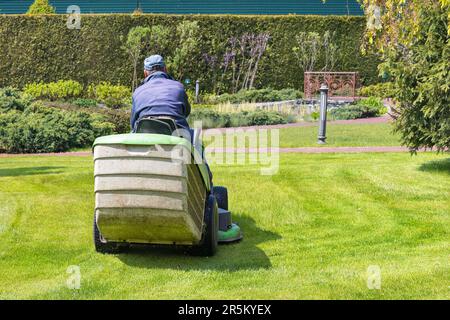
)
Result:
{"points": [[183, 60], [214, 119], [44, 129], [119, 118], [264, 118], [113, 96], [85, 103], [42, 49], [40, 7], [380, 90], [239, 63], [310, 46], [13, 99], [307, 50], [413, 39], [366, 108], [257, 95], [246, 52], [60, 90], [148, 40], [133, 46], [330, 49]]}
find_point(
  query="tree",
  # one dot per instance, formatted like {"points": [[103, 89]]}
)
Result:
{"points": [[41, 7], [140, 40], [309, 47], [135, 43], [412, 38], [183, 58]]}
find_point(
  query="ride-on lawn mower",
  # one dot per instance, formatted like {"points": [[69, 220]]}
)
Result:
{"points": [[150, 188]]}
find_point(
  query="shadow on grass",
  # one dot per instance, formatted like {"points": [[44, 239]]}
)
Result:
{"points": [[29, 171], [243, 255], [442, 166]]}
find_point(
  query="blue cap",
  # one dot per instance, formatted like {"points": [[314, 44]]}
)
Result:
{"points": [[153, 61]]}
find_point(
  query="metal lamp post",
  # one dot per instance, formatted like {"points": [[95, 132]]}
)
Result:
{"points": [[197, 91], [323, 114]]}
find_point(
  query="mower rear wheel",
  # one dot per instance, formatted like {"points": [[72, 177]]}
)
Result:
{"points": [[102, 246], [221, 194], [208, 244]]}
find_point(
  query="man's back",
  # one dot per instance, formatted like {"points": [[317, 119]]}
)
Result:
{"points": [[160, 95]]}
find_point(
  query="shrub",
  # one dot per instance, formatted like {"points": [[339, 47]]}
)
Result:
{"points": [[213, 119], [46, 129], [119, 118], [260, 95], [380, 90], [40, 7], [13, 99], [113, 96], [85, 103], [260, 118], [210, 118], [315, 115], [366, 108], [60, 90]]}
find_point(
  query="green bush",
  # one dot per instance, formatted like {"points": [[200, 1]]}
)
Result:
{"points": [[59, 90], [380, 90], [366, 108], [45, 129], [85, 103], [119, 118], [261, 118], [40, 7], [41, 47], [13, 99], [258, 95], [113, 96], [214, 119]]}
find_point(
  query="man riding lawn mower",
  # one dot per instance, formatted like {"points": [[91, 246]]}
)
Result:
{"points": [[153, 186]]}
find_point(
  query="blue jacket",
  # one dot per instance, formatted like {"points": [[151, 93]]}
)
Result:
{"points": [[160, 95]]}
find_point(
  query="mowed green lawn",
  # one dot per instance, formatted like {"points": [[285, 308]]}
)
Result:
{"points": [[341, 135], [338, 135], [311, 232]]}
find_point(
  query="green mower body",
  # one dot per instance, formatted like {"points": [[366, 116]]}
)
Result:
{"points": [[153, 189]]}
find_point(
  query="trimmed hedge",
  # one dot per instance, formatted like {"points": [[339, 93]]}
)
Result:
{"points": [[42, 48]]}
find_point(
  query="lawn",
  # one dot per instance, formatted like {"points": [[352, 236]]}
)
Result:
{"points": [[340, 135], [311, 232]]}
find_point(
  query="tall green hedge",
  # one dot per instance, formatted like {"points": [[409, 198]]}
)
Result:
{"points": [[42, 48]]}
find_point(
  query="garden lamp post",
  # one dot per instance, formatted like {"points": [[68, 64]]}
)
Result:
{"points": [[197, 91], [323, 114]]}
